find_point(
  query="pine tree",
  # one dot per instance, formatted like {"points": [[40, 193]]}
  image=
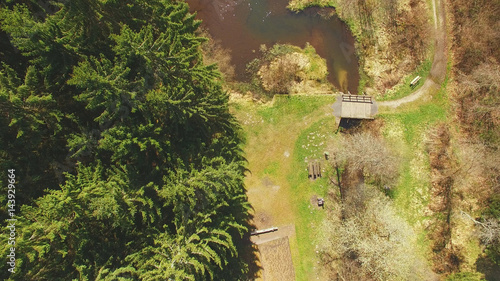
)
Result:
{"points": [[127, 154]]}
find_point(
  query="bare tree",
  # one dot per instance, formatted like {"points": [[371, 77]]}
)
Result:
{"points": [[367, 154], [376, 239], [369, 241], [489, 229]]}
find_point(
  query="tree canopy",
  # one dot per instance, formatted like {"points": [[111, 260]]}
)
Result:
{"points": [[127, 160]]}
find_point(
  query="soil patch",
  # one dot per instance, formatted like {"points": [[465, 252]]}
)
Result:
{"points": [[276, 260], [314, 202], [263, 220]]}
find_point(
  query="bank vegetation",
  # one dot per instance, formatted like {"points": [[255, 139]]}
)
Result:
{"points": [[392, 37], [287, 69]]}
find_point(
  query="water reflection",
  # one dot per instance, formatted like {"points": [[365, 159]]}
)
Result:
{"points": [[243, 25]]}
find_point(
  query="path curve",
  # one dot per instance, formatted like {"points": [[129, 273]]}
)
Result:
{"points": [[438, 69]]}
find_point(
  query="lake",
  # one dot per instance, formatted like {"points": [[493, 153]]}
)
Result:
{"points": [[243, 25]]}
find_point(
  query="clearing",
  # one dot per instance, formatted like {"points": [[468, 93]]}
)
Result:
{"points": [[280, 139]]}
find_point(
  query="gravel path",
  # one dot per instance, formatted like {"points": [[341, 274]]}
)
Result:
{"points": [[438, 69]]}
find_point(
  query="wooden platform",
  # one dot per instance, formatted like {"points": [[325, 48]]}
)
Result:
{"points": [[276, 259], [275, 254]]}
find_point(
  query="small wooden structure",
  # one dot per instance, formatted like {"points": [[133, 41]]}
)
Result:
{"points": [[314, 169], [354, 107], [415, 81]]}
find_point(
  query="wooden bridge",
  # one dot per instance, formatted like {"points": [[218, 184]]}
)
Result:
{"points": [[354, 107]]}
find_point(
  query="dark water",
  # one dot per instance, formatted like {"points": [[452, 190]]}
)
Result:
{"points": [[243, 25]]}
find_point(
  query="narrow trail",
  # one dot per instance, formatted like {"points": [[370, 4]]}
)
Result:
{"points": [[438, 68]]}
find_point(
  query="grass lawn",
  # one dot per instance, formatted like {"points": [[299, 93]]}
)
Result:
{"points": [[280, 137], [310, 144]]}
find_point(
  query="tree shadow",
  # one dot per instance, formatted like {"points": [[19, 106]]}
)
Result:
{"points": [[347, 124], [249, 252], [352, 126], [490, 270]]}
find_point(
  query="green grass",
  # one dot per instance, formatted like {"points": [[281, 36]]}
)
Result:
{"points": [[406, 130], [288, 108], [272, 169], [311, 144]]}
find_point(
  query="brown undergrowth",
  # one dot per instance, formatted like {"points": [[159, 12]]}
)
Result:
{"points": [[214, 53], [475, 97], [447, 256]]}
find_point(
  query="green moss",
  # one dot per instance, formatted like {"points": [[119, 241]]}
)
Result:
{"points": [[281, 49], [465, 276], [299, 5]]}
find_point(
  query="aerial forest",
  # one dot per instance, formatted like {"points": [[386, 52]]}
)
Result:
{"points": [[128, 163], [213, 140]]}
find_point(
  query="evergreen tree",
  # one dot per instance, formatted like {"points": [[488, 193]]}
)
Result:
{"points": [[128, 161]]}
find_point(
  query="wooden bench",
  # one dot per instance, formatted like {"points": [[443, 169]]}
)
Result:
{"points": [[415, 81], [314, 169]]}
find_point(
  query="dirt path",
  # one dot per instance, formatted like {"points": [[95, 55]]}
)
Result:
{"points": [[438, 69]]}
